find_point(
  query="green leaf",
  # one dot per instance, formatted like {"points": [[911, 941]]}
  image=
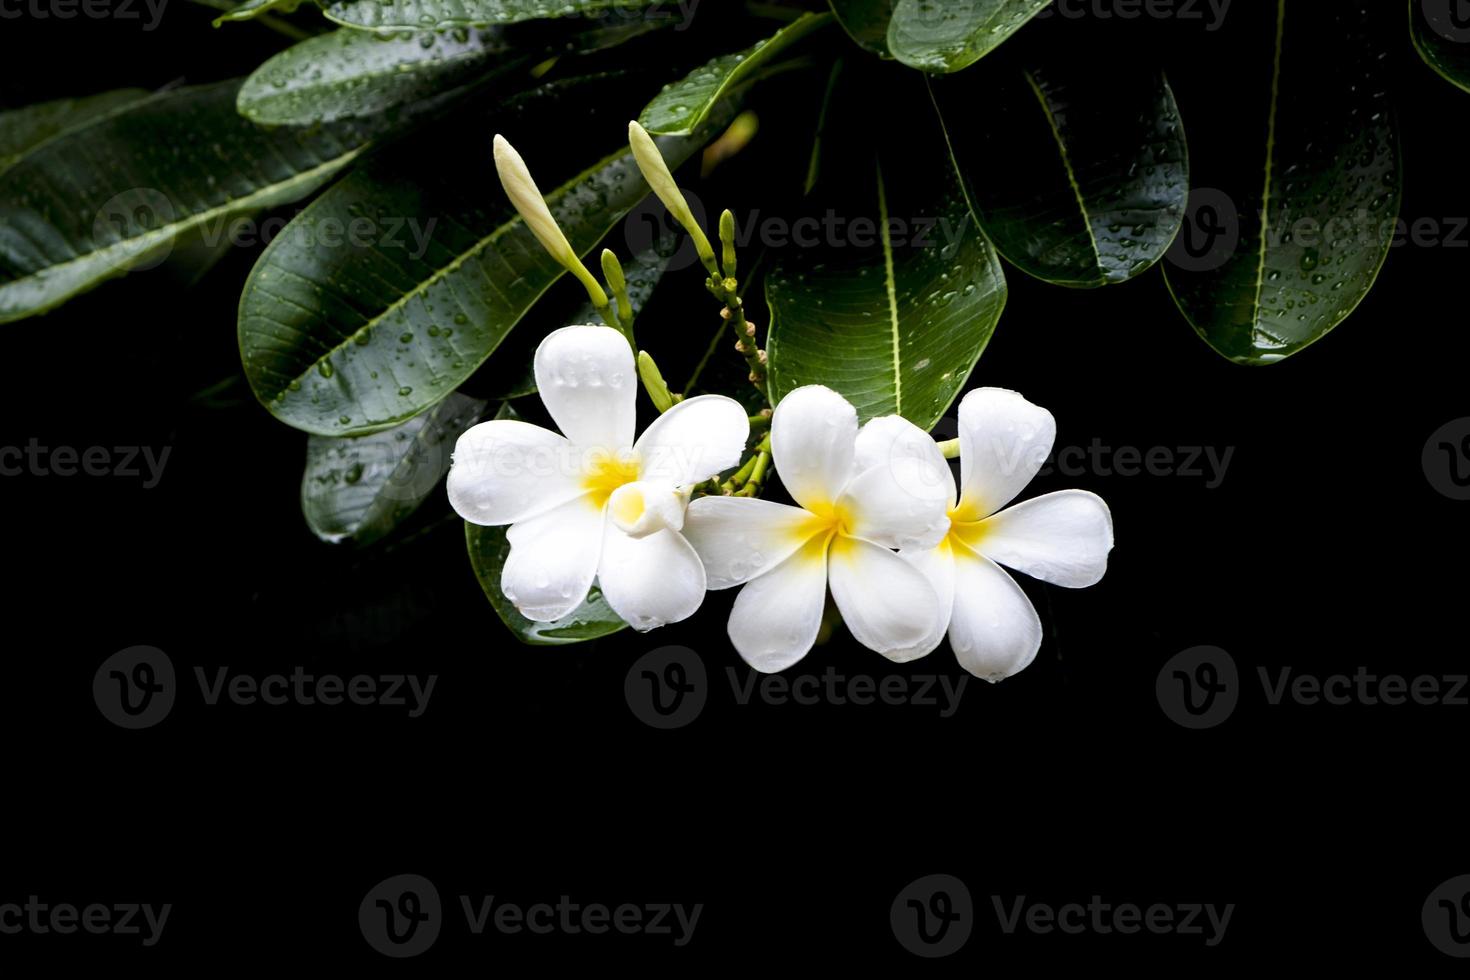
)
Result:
{"points": [[251, 9], [934, 35], [594, 618], [1091, 178], [683, 105], [23, 130], [353, 73], [1443, 43], [361, 488], [895, 326], [1308, 222], [117, 191], [351, 339], [866, 22], [435, 15]]}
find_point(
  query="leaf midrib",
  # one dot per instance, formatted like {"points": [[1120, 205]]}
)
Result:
{"points": [[890, 283], [1270, 154], [1056, 132], [139, 245]]}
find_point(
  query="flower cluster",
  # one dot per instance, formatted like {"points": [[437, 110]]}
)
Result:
{"points": [[907, 555], [878, 521]]}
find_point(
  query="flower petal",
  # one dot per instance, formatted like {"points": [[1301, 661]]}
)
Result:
{"points": [[889, 438], [589, 384], [887, 603], [739, 538], [937, 566], [694, 440], [1004, 439], [1062, 538], [506, 471], [777, 615], [642, 508], [993, 628], [813, 435], [552, 560], [650, 581], [902, 504]]}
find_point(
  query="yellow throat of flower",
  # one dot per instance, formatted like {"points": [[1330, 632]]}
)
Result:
{"points": [[606, 473]]}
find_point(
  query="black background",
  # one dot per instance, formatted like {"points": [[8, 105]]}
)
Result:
{"points": [[528, 777]]}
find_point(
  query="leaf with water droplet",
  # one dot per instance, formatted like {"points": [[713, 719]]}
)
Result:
{"points": [[1327, 182], [360, 488], [1052, 161]]}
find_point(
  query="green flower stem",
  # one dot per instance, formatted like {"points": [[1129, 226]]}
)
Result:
{"points": [[950, 449], [727, 292], [762, 461]]}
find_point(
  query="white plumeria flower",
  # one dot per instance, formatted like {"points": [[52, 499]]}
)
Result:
{"points": [[856, 503], [1062, 538], [592, 502]]}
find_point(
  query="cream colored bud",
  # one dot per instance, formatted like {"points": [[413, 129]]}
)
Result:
{"points": [[656, 171], [521, 188]]}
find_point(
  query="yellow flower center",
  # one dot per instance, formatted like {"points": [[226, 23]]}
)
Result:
{"points": [[606, 472], [829, 527], [966, 533]]}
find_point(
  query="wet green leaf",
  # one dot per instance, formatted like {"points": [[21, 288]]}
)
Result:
{"points": [[354, 73], [1093, 178], [361, 488], [115, 192], [436, 15], [1295, 240], [349, 338], [1442, 38], [894, 309], [683, 105]]}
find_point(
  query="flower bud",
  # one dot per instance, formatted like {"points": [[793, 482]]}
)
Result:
{"points": [[651, 162], [519, 186]]}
